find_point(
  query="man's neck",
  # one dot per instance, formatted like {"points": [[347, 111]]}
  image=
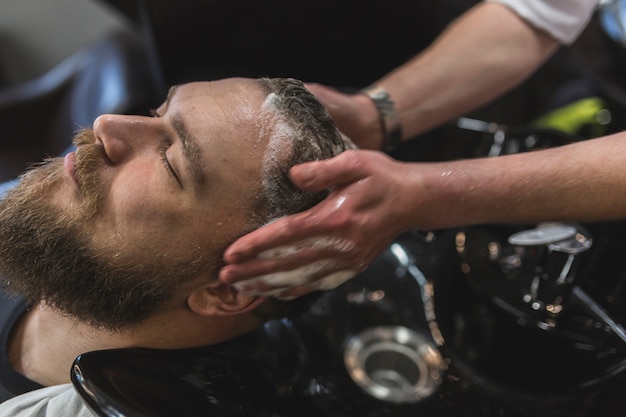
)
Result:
{"points": [[45, 343]]}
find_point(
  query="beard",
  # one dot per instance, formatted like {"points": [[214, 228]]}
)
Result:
{"points": [[46, 254]]}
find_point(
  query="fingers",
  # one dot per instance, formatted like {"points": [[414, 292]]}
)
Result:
{"points": [[332, 240], [338, 171], [326, 95], [289, 257], [303, 231], [327, 283], [297, 282], [293, 276], [342, 169]]}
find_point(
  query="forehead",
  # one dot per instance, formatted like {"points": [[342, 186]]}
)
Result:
{"points": [[229, 110], [231, 125], [231, 93]]}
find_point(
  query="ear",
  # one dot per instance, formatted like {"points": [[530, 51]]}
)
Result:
{"points": [[218, 299]]}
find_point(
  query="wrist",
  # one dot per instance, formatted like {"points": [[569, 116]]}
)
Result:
{"points": [[368, 129], [388, 117]]}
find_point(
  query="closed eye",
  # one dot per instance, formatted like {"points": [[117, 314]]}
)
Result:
{"points": [[168, 165]]}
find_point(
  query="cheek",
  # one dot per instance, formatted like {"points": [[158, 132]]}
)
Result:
{"points": [[143, 212], [137, 200]]}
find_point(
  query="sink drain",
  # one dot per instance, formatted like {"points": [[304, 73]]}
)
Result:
{"points": [[394, 363]]}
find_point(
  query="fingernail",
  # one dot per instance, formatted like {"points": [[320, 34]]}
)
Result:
{"points": [[231, 256], [227, 275], [305, 174]]}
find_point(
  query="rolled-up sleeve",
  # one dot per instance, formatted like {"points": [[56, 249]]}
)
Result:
{"points": [[562, 19]]}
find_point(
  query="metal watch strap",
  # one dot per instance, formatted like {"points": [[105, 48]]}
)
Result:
{"points": [[389, 117]]}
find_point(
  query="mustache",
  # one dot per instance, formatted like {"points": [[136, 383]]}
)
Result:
{"points": [[89, 160]]}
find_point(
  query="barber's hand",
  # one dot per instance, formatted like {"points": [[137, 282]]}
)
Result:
{"points": [[354, 114], [322, 247]]}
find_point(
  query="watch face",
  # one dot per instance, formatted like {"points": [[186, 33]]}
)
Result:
{"points": [[542, 235], [380, 94], [375, 93], [381, 99]]}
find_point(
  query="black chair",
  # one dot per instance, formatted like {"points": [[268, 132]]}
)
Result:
{"points": [[39, 117]]}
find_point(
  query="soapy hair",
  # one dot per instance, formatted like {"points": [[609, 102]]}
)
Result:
{"points": [[300, 130]]}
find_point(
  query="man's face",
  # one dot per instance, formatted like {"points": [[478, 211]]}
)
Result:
{"points": [[179, 179], [152, 192]]}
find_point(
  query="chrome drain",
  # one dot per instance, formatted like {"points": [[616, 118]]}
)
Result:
{"points": [[394, 363]]}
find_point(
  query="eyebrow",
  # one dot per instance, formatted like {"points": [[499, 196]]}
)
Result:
{"points": [[191, 150]]}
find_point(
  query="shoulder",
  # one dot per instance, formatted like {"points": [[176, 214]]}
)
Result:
{"points": [[54, 401]]}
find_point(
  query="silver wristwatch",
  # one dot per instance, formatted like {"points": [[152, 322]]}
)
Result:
{"points": [[389, 117]]}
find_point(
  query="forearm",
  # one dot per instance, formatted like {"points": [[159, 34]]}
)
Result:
{"points": [[580, 182], [375, 198], [480, 56]]}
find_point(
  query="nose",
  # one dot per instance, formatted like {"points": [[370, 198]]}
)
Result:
{"points": [[122, 135]]}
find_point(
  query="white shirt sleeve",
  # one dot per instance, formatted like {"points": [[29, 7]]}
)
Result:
{"points": [[54, 401], [562, 19]]}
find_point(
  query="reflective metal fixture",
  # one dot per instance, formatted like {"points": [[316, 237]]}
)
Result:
{"points": [[394, 364]]}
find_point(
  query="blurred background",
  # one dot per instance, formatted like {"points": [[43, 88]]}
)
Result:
{"points": [[36, 35]]}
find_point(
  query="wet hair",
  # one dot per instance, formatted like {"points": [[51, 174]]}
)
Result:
{"points": [[302, 131]]}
